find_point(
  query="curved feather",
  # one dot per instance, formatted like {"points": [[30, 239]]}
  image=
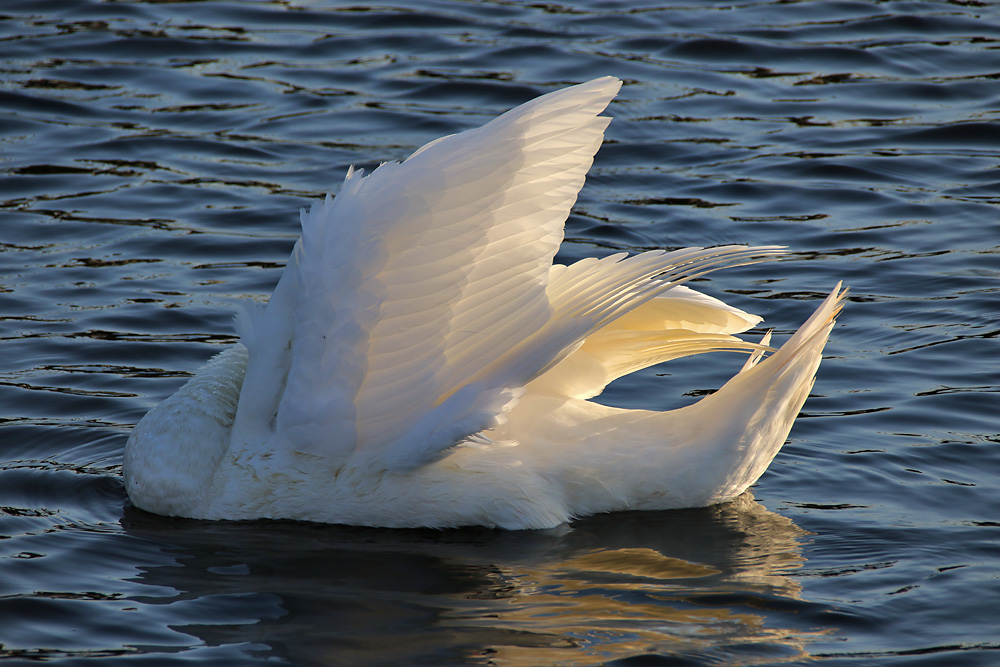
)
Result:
{"points": [[679, 323]]}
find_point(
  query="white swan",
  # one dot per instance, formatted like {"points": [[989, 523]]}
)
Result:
{"points": [[422, 362]]}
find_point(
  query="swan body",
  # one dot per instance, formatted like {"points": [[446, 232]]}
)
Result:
{"points": [[422, 361]]}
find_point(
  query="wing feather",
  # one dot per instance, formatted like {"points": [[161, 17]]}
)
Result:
{"points": [[681, 322], [419, 303], [419, 274]]}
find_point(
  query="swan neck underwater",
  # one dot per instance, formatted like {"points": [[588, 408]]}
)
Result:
{"points": [[423, 362]]}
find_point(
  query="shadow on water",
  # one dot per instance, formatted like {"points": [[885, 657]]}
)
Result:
{"points": [[707, 585]]}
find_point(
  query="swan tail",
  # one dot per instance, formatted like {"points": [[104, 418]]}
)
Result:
{"points": [[610, 459], [757, 407]]}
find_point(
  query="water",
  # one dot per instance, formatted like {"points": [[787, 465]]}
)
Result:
{"points": [[154, 155]]}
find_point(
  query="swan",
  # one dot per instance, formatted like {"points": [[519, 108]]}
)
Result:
{"points": [[422, 362]]}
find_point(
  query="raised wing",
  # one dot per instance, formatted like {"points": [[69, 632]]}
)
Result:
{"points": [[418, 277], [419, 303]]}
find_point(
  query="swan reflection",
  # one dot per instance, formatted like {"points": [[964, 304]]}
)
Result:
{"points": [[710, 583]]}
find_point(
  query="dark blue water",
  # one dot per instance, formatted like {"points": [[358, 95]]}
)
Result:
{"points": [[154, 156]]}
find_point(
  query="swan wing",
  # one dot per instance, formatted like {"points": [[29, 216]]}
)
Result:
{"points": [[418, 276], [422, 299]]}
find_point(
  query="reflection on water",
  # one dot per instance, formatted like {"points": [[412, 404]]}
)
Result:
{"points": [[697, 582]]}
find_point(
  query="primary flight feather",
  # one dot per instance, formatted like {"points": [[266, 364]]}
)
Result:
{"points": [[422, 361]]}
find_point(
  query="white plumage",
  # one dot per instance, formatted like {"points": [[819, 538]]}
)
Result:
{"points": [[422, 362]]}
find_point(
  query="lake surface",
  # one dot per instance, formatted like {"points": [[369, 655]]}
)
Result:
{"points": [[154, 156]]}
